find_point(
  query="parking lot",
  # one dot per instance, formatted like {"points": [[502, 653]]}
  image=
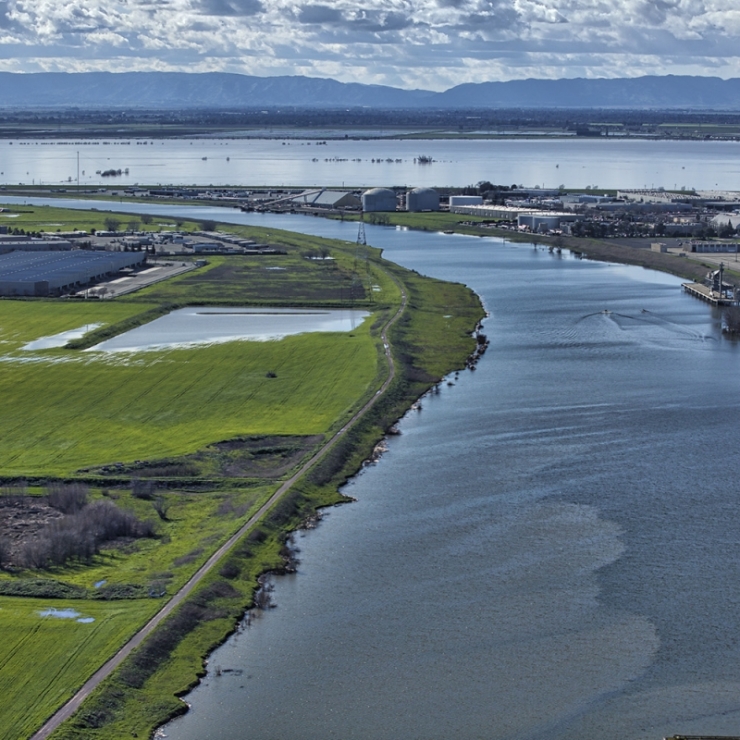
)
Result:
{"points": [[154, 272]]}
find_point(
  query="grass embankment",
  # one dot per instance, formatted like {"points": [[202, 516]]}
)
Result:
{"points": [[164, 414]]}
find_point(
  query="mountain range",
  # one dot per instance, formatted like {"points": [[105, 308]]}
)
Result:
{"points": [[178, 90]]}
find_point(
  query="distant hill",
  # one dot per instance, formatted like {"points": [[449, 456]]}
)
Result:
{"points": [[173, 90], [184, 90], [698, 93]]}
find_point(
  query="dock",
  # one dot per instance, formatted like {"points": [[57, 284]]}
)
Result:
{"points": [[698, 290]]}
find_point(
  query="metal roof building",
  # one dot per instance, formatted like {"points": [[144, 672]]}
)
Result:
{"points": [[465, 200], [327, 199], [10, 243], [48, 273]]}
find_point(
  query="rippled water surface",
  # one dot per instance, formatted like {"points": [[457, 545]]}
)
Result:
{"points": [[551, 549]]}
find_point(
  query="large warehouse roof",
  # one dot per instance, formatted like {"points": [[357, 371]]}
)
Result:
{"points": [[41, 273]]}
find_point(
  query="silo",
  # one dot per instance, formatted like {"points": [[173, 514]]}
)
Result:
{"points": [[422, 199], [378, 199]]}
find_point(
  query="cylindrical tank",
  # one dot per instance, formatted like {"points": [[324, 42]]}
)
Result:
{"points": [[378, 199], [466, 200], [422, 199]]}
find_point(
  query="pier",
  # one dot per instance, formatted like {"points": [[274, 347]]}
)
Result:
{"points": [[698, 290]]}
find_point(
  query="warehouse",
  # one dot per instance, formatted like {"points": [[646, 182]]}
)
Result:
{"points": [[54, 273], [10, 243], [465, 200], [507, 213], [327, 199]]}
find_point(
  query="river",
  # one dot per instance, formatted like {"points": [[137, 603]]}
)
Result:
{"points": [[549, 550], [572, 162]]}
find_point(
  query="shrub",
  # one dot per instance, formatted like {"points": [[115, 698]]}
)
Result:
{"points": [[143, 489], [79, 536], [41, 588], [230, 570], [67, 498]]}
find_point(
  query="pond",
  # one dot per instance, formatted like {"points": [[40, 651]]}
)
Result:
{"points": [[192, 326]]}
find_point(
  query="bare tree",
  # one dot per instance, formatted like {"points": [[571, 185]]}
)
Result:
{"points": [[67, 498], [161, 506]]}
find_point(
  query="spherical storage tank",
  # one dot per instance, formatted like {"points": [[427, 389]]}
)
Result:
{"points": [[379, 199], [422, 199]]}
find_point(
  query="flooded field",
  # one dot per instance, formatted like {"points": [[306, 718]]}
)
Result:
{"points": [[193, 326]]}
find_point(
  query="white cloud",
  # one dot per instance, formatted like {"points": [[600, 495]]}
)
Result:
{"points": [[414, 43]]}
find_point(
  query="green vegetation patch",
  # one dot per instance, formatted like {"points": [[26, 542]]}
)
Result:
{"points": [[23, 321], [46, 658], [241, 457], [70, 410]]}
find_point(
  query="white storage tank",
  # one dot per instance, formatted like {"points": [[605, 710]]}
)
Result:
{"points": [[378, 199], [466, 200], [422, 199]]}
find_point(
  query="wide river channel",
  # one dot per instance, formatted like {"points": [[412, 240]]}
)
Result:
{"points": [[549, 550], [572, 162]]}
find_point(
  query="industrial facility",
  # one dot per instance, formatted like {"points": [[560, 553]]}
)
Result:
{"points": [[422, 199], [378, 199], [330, 199], [45, 273], [465, 200], [9, 243]]}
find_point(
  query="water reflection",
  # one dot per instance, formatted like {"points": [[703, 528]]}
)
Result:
{"points": [[188, 327]]}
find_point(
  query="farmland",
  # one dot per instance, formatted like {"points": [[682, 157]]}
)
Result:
{"points": [[44, 655], [67, 410], [213, 430]]}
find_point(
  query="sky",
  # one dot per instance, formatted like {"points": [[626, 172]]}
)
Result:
{"points": [[429, 44]]}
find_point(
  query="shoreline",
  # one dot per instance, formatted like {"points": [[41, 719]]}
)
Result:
{"points": [[260, 546]]}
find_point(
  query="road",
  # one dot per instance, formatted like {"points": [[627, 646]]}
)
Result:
{"points": [[74, 703]]}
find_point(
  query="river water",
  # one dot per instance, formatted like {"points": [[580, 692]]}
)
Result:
{"points": [[550, 549], [573, 162]]}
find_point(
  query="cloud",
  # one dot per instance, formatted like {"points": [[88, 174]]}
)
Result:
{"points": [[316, 14], [231, 8], [424, 43]]}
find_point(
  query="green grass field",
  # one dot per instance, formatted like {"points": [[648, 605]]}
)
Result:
{"points": [[44, 659], [65, 410]]}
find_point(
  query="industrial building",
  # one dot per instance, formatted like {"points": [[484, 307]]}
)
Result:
{"points": [[422, 199], [52, 273], [710, 246], [539, 221], [508, 213], [9, 243], [465, 200], [378, 199], [326, 199]]}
